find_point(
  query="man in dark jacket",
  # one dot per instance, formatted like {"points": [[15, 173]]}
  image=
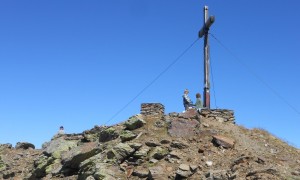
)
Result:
{"points": [[187, 102]]}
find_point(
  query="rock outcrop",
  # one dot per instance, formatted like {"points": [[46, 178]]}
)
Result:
{"points": [[152, 145], [24, 145]]}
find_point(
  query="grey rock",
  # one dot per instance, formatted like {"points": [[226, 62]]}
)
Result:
{"points": [[108, 134], [296, 172], [57, 146], [153, 161], [217, 175], [183, 171], [127, 135], [175, 154], [193, 168], [135, 146], [72, 159], [88, 166], [184, 167], [73, 137], [24, 145], [182, 174], [152, 143], [159, 153], [99, 170], [140, 172], [90, 178], [108, 172], [165, 141], [142, 152], [54, 168], [92, 134], [158, 173], [120, 152], [266, 170], [134, 123], [179, 145], [40, 165], [173, 114]]}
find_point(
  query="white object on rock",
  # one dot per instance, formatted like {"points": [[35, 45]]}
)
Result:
{"points": [[209, 163]]}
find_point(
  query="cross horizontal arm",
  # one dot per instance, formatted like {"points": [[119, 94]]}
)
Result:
{"points": [[206, 26]]}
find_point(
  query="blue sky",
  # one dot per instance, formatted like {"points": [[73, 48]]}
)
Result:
{"points": [[78, 63]]}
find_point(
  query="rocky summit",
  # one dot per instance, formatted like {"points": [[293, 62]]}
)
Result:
{"points": [[154, 145]]}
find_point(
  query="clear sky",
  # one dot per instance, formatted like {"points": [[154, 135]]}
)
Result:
{"points": [[78, 63]]}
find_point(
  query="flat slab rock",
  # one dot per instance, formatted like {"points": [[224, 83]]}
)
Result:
{"points": [[189, 114], [180, 127], [225, 142]]}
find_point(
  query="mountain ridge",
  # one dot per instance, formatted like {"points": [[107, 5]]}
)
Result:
{"points": [[155, 145]]}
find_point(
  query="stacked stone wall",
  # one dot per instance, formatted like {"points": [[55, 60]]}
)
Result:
{"points": [[221, 115], [155, 110]]}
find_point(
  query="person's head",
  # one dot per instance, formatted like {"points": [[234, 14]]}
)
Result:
{"points": [[186, 91], [198, 95]]}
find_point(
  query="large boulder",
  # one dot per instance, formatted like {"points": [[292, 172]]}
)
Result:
{"points": [[127, 135], [54, 168], [108, 134], [88, 167], [134, 123], [24, 145], [57, 146], [180, 127], [120, 152], [92, 134], [72, 159], [40, 165], [94, 167], [108, 172]]}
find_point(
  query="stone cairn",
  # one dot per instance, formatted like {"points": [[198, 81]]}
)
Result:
{"points": [[154, 110], [221, 115]]}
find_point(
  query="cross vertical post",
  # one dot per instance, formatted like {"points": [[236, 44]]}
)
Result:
{"points": [[208, 21]]}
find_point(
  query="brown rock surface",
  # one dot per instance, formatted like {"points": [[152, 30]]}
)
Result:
{"points": [[225, 142], [186, 145]]}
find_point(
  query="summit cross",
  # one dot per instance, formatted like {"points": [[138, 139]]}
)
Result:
{"points": [[208, 21]]}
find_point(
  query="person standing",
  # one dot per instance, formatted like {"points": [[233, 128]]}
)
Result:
{"points": [[187, 102], [199, 104], [61, 130]]}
